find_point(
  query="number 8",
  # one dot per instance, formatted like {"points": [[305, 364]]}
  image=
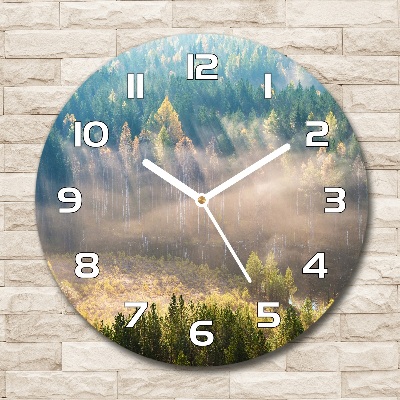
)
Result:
{"points": [[92, 264]]}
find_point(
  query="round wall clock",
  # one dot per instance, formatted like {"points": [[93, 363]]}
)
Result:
{"points": [[201, 200]]}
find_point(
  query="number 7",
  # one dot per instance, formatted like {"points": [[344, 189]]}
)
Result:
{"points": [[140, 309]]}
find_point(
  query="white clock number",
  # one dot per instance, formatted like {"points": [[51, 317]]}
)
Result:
{"points": [[196, 72], [86, 133], [77, 199], [321, 270], [267, 86], [138, 88], [80, 264], [323, 132], [140, 309], [276, 319], [341, 194], [194, 333]]}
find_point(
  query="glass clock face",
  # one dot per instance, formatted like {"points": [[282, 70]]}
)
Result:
{"points": [[201, 200]]}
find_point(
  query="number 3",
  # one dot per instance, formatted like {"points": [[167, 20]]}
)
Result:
{"points": [[341, 194]]}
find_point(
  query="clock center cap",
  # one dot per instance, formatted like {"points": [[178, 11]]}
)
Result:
{"points": [[202, 200]]}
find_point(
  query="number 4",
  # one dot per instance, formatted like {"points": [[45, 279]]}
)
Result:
{"points": [[321, 270], [140, 309]]}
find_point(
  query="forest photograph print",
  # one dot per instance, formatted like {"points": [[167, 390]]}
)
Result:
{"points": [[201, 200]]}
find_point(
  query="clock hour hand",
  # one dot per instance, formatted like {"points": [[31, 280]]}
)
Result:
{"points": [[228, 245], [247, 171], [170, 179]]}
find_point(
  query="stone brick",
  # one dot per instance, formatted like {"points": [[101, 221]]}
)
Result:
{"points": [[382, 241], [341, 13], [74, 71], [102, 356], [370, 383], [382, 183], [128, 38], [370, 327], [296, 40], [2, 328], [30, 300], [381, 155], [367, 299], [235, 13], [378, 270], [2, 272], [15, 72], [377, 98], [29, 16], [1, 99], [19, 217], [385, 212], [312, 357], [114, 15], [377, 41], [22, 157], [17, 187], [2, 217], [28, 273], [350, 69], [19, 244], [186, 383], [49, 328], [326, 329], [35, 99], [1, 157], [30, 356], [61, 385], [336, 92], [25, 128], [375, 127], [368, 356], [2, 384], [285, 385], [2, 45], [60, 43]]}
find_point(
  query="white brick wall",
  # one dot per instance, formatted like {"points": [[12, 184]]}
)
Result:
{"points": [[47, 49]]}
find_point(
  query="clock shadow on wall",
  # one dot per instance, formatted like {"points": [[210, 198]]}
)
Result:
{"points": [[201, 200]]}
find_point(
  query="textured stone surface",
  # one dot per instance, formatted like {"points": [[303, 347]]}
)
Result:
{"points": [[1, 157], [25, 128], [289, 385], [36, 99], [2, 273], [60, 43], [370, 327], [28, 300], [2, 328], [19, 217], [352, 69], [30, 356], [371, 41], [46, 327], [79, 385], [15, 72], [384, 156], [296, 40], [378, 98], [17, 244], [382, 183], [74, 71], [118, 14], [17, 187], [370, 383], [235, 13], [27, 273], [386, 212], [156, 383], [22, 157], [375, 127], [380, 241], [2, 217], [29, 16], [378, 270], [341, 13]]}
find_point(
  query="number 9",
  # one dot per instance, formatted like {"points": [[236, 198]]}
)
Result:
{"points": [[77, 200]]}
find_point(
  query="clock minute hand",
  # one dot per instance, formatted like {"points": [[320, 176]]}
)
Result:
{"points": [[228, 245], [170, 179], [247, 171]]}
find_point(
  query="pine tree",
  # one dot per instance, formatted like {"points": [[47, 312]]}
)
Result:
{"points": [[255, 269]]}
